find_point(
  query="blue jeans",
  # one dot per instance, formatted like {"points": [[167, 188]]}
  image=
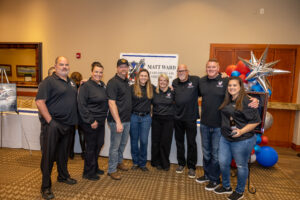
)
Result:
{"points": [[210, 138], [118, 143], [240, 151], [139, 132]]}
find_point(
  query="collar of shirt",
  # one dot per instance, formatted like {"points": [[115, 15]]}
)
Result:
{"points": [[218, 78], [58, 78], [95, 83], [119, 78]]}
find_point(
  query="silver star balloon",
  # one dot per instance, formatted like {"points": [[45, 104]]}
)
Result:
{"points": [[261, 70]]}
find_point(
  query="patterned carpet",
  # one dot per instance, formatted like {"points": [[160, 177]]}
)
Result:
{"points": [[20, 178]]}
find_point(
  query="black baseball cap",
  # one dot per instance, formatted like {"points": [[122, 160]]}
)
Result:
{"points": [[122, 61]]}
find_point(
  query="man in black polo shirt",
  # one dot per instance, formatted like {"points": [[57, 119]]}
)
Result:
{"points": [[186, 89], [213, 88], [56, 101], [120, 103]]}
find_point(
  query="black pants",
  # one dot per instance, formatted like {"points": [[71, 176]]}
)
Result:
{"points": [[190, 128], [56, 138], [94, 140], [162, 133], [81, 140]]}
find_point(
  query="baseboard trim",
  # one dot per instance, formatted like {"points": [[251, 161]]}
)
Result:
{"points": [[295, 147]]}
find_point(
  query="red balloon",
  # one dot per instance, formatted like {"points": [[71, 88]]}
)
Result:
{"points": [[242, 68], [230, 68], [264, 140], [233, 164], [243, 77]]}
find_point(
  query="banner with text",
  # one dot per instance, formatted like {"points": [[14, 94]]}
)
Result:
{"points": [[156, 64]]}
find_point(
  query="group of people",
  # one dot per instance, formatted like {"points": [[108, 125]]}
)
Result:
{"points": [[62, 105]]}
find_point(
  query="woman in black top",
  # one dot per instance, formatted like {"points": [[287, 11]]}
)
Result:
{"points": [[162, 124], [238, 137], [140, 121], [93, 107]]}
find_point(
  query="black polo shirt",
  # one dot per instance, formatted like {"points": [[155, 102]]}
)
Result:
{"points": [[163, 103], [140, 104], [213, 93], [186, 98], [119, 90], [60, 97], [241, 118], [92, 102]]}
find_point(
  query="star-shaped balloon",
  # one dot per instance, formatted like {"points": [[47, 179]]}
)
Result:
{"points": [[261, 70]]}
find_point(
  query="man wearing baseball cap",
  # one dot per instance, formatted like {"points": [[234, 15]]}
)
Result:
{"points": [[119, 101]]}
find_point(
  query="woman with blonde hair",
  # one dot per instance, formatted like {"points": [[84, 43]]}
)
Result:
{"points": [[162, 123], [140, 122]]}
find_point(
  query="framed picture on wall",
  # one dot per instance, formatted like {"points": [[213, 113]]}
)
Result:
{"points": [[262, 108], [26, 71], [7, 69]]}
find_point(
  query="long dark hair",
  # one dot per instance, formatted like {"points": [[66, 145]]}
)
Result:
{"points": [[240, 97]]}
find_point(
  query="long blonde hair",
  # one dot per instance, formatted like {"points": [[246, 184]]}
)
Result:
{"points": [[137, 87], [164, 76]]}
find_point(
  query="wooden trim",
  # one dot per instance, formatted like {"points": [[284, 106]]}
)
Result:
{"points": [[283, 106], [296, 76], [279, 144], [24, 93], [295, 147]]}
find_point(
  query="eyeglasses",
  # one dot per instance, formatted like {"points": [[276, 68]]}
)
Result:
{"points": [[181, 71]]}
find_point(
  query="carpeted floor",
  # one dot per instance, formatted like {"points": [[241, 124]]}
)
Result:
{"points": [[20, 178]]}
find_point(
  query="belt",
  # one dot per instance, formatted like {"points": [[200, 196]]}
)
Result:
{"points": [[141, 114]]}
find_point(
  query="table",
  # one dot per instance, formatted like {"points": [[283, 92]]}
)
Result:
{"points": [[23, 131]]}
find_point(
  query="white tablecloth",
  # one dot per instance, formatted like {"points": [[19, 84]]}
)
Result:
{"points": [[18, 129]]}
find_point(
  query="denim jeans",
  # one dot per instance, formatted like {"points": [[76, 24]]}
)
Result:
{"points": [[210, 138], [240, 151], [139, 132], [118, 143]]}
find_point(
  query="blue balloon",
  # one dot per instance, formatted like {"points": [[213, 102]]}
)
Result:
{"points": [[235, 73], [256, 88], [267, 156], [270, 92], [258, 139], [257, 149]]}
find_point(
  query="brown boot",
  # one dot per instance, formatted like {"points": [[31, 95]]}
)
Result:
{"points": [[115, 175], [122, 167]]}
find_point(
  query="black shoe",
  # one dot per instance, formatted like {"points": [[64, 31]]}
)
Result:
{"points": [[47, 194], [222, 190], [211, 186], [69, 181], [91, 178], [159, 167], [235, 196], [202, 179], [72, 156], [100, 172], [166, 169], [134, 167], [144, 169]]}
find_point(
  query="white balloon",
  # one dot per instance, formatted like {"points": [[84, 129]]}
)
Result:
{"points": [[253, 158]]}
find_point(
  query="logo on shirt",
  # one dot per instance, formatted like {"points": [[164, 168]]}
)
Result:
{"points": [[190, 85], [168, 96], [220, 84], [72, 84]]}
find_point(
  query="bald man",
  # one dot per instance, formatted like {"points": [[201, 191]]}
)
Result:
{"points": [[57, 104], [187, 91]]}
